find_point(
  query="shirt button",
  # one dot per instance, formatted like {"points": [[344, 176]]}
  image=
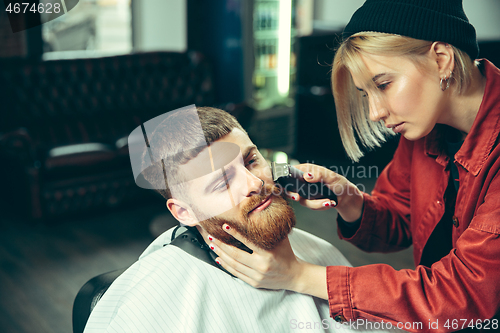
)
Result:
{"points": [[438, 202], [340, 319], [455, 221]]}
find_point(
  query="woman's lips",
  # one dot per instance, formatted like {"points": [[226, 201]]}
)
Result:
{"points": [[263, 205], [398, 128]]}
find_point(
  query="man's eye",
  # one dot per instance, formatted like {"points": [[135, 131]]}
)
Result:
{"points": [[252, 160], [222, 185]]}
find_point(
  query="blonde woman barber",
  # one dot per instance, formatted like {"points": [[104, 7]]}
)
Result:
{"points": [[407, 67]]}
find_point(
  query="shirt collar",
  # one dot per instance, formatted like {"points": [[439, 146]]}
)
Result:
{"points": [[434, 144], [484, 131]]}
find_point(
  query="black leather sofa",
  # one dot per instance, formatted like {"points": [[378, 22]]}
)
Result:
{"points": [[64, 126]]}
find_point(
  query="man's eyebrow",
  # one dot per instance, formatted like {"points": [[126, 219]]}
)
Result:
{"points": [[374, 79], [248, 150]]}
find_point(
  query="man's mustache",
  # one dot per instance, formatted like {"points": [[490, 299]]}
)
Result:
{"points": [[256, 199]]}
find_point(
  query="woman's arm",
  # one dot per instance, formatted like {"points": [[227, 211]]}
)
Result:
{"points": [[459, 290], [386, 223], [275, 269]]}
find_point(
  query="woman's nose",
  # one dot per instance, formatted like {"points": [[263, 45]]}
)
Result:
{"points": [[378, 111]]}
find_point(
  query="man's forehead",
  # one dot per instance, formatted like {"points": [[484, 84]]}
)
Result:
{"points": [[238, 137]]}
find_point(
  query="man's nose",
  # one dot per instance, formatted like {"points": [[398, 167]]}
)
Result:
{"points": [[255, 184], [378, 110]]}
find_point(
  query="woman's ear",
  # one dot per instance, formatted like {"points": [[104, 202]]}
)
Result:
{"points": [[444, 56], [182, 212]]}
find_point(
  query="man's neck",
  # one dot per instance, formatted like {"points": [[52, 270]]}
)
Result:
{"points": [[203, 234]]}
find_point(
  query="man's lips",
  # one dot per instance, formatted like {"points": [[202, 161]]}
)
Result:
{"points": [[263, 204]]}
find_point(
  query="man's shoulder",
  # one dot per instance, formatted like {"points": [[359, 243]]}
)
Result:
{"points": [[168, 287], [166, 273], [161, 241], [173, 261], [155, 284]]}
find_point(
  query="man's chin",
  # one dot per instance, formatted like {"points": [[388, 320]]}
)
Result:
{"points": [[269, 227]]}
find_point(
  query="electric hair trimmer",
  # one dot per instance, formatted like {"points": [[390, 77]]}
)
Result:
{"points": [[292, 180]]}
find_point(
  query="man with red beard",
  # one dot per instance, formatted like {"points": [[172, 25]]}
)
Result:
{"points": [[211, 178]]}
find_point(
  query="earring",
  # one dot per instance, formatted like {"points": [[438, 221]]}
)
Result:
{"points": [[447, 80]]}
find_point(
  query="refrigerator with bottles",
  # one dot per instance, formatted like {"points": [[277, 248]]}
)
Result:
{"points": [[251, 46]]}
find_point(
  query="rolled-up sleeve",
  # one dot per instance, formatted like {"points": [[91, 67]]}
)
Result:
{"points": [[463, 286]]}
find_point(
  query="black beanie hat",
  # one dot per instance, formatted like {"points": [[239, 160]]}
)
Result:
{"points": [[431, 20]]}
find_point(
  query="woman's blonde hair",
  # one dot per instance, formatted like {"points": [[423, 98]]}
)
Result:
{"points": [[352, 108]]}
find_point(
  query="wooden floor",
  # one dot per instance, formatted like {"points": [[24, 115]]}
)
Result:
{"points": [[42, 267]]}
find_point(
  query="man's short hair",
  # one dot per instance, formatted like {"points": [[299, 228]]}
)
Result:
{"points": [[175, 150]]}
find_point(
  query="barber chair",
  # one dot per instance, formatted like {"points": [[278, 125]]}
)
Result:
{"points": [[89, 295]]}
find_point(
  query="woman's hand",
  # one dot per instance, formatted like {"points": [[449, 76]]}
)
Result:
{"points": [[349, 197], [275, 269]]}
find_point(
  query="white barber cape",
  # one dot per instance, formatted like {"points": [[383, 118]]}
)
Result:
{"points": [[168, 290]]}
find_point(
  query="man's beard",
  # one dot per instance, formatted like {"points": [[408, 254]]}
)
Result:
{"points": [[266, 229]]}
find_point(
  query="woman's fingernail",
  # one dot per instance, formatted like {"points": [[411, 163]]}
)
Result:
{"points": [[334, 204], [293, 197], [212, 247], [226, 227], [210, 238], [326, 204], [309, 175], [217, 261]]}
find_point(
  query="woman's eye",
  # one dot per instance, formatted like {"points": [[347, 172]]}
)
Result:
{"points": [[383, 86]]}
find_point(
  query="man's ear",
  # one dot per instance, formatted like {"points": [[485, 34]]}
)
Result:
{"points": [[182, 212], [444, 56]]}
